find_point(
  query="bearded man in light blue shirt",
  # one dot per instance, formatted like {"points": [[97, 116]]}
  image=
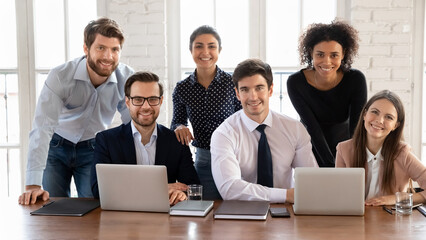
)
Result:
{"points": [[79, 99]]}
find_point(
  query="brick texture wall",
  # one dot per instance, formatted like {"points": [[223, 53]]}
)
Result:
{"points": [[144, 25], [386, 29]]}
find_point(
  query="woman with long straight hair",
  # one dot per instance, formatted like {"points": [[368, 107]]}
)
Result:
{"points": [[377, 146]]}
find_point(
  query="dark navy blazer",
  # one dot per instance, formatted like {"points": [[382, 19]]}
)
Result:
{"points": [[116, 146]]}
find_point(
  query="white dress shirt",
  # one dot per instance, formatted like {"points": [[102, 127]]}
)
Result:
{"points": [[372, 188], [145, 154], [234, 156], [72, 107]]}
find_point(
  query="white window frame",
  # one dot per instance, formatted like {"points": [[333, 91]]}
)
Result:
{"points": [[415, 120], [27, 72], [257, 36], [26, 76]]}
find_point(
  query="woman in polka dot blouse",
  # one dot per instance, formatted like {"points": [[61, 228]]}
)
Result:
{"points": [[207, 97]]}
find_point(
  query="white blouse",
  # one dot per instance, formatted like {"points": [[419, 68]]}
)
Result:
{"points": [[372, 187]]}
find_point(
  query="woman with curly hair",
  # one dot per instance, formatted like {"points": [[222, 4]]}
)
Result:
{"points": [[328, 94]]}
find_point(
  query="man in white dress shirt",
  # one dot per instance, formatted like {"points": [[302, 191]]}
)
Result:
{"points": [[234, 144]]}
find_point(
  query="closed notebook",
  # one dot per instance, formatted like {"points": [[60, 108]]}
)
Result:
{"points": [[68, 207], [192, 208], [234, 209]]}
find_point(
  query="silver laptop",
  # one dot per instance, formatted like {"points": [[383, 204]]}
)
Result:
{"points": [[329, 191], [133, 187]]}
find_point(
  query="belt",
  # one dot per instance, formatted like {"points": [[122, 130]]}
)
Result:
{"points": [[64, 141]]}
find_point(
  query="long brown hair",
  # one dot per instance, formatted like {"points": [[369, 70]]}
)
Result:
{"points": [[390, 147]]}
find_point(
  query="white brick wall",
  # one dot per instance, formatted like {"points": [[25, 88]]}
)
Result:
{"points": [[385, 54], [386, 29], [143, 22]]}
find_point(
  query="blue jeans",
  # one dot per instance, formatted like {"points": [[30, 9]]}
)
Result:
{"points": [[204, 170], [66, 159]]}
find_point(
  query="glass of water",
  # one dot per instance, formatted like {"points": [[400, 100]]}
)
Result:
{"points": [[404, 203], [195, 192]]}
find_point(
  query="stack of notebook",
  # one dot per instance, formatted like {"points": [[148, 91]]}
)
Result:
{"points": [[191, 208]]}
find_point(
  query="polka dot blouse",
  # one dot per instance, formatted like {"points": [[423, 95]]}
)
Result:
{"points": [[205, 108]]}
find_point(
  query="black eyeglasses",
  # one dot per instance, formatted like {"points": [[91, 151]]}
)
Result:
{"points": [[139, 101]]}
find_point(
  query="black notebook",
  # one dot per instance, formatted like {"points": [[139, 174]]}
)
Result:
{"points": [[233, 209], [68, 207]]}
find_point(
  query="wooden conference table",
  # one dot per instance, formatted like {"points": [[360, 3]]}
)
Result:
{"points": [[17, 223]]}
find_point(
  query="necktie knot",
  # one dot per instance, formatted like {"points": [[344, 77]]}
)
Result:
{"points": [[261, 128]]}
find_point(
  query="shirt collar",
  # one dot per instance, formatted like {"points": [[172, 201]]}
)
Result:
{"points": [[137, 134], [193, 76], [252, 125], [82, 74], [370, 156]]}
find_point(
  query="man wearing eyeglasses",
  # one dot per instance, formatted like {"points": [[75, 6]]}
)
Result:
{"points": [[143, 141]]}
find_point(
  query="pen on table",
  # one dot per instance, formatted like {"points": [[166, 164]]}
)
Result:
{"points": [[387, 210], [416, 205], [48, 203]]}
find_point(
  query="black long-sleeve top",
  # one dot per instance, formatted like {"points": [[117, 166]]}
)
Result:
{"points": [[329, 116]]}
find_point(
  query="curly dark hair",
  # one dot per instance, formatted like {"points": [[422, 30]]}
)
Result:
{"points": [[338, 31]]}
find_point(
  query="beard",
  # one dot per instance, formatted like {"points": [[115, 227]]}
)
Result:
{"points": [[99, 70], [145, 122]]}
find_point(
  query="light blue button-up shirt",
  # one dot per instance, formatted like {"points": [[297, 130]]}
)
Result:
{"points": [[72, 107]]}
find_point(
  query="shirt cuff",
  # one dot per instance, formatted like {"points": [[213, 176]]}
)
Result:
{"points": [[277, 195], [34, 178]]}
